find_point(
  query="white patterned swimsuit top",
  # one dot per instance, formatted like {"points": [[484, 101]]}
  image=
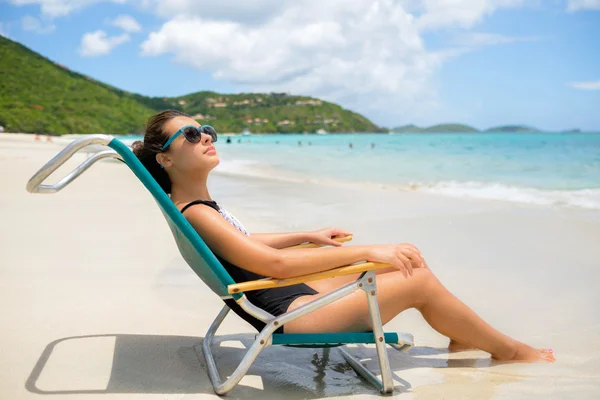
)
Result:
{"points": [[232, 220]]}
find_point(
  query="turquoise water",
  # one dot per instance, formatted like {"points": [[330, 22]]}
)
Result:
{"points": [[541, 168]]}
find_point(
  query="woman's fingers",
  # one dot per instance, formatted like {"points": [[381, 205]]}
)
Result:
{"points": [[412, 247], [421, 261], [415, 258], [402, 269], [407, 265], [340, 233], [399, 263]]}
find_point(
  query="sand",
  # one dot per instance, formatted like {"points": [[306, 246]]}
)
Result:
{"points": [[96, 302]]}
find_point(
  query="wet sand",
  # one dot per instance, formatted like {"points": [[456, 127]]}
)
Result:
{"points": [[96, 301]]}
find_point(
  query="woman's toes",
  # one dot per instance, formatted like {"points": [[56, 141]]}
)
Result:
{"points": [[547, 355]]}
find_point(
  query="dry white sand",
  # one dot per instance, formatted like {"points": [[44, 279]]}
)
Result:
{"points": [[95, 301]]}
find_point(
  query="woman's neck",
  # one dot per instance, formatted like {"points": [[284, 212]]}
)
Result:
{"points": [[189, 192]]}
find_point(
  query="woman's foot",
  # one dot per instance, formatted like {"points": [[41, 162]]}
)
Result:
{"points": [[526, 353], [455, 346]]}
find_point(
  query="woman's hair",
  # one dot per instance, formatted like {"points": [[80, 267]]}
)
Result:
{"points": [[154, 139]]}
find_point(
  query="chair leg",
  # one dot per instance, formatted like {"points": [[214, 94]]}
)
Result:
{"points": [[361, 369], [220, 387], [370, 288], [386, 384]]}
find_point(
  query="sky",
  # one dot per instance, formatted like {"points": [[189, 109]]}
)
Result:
{"points": [[479, 62]]}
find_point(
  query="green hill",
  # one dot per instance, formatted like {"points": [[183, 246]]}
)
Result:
{"points": [[441, 128], [274, 112], [38, 95]]}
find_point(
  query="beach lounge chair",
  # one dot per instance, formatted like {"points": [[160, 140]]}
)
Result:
{"points": [[204, 263]]}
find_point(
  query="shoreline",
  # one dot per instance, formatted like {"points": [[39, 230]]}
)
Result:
{"points": [[578, 199], [436, 190]]}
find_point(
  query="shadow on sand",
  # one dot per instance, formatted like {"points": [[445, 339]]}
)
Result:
{"points": [[174, 364]]}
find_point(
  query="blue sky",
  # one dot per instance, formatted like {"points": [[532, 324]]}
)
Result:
{"points": [[480, 62]]}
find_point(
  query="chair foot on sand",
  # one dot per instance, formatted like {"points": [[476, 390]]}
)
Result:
{"points": [[399, 341]]}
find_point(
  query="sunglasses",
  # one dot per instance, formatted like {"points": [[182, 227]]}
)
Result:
{"points": [[193, 134]]}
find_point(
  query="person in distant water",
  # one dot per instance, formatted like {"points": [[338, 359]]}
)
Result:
{"points": [[180, 154], [309, 143], [372, 145], [299, 143], [239, 140], [228, 139], [350, 145]]}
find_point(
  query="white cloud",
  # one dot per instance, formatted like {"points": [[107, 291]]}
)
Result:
{"points": [[60, 8], [477, 39], [127, 23], [366, 55], [431, 14], [589, 85], [460, 13], [247, 12], [575, 5], [98, 43], [29, 23]]}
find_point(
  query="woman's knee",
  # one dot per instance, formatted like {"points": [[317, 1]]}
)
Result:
{"points": [[426, 283]]}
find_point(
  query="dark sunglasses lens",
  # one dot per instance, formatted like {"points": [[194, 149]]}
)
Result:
{"points": [[192, 134], [209, 130]]}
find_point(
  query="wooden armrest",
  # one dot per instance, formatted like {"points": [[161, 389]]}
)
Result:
{"points": [[311, 245], [271, 283]]}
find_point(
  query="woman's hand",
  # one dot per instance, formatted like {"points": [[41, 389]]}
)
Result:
{"points": [[326, 236], [402, 256]]}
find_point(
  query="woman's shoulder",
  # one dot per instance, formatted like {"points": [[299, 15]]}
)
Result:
{"points": [[211, 203], [221, 210]]}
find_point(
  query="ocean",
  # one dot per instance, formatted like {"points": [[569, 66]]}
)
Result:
{"points": [[549, 169]]}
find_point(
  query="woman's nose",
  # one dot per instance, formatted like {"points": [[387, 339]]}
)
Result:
{"points": [[206, 138]]}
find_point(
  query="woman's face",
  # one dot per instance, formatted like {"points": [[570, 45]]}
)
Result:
{"points": [[185, 156]]}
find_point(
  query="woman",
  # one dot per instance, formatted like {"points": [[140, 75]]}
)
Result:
{"points": [[180, 154]]}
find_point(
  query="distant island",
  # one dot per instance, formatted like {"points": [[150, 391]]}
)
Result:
{"points": [[513, 128], [461, 128], [441, 128]]}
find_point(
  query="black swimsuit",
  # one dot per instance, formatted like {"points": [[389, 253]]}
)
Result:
{"points": [[274, 301]]}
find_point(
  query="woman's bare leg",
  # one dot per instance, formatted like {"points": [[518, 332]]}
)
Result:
{"points": [[443, 311], [329, 285]]}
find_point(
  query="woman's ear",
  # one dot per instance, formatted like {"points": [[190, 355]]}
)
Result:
{"points": [[163, 159]]}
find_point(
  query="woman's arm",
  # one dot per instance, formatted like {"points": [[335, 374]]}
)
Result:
{"points": [[296, 262], [281, 240], [232, 245]]}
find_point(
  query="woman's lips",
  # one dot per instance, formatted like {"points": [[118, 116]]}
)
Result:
{"points": [[210, 150]]}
